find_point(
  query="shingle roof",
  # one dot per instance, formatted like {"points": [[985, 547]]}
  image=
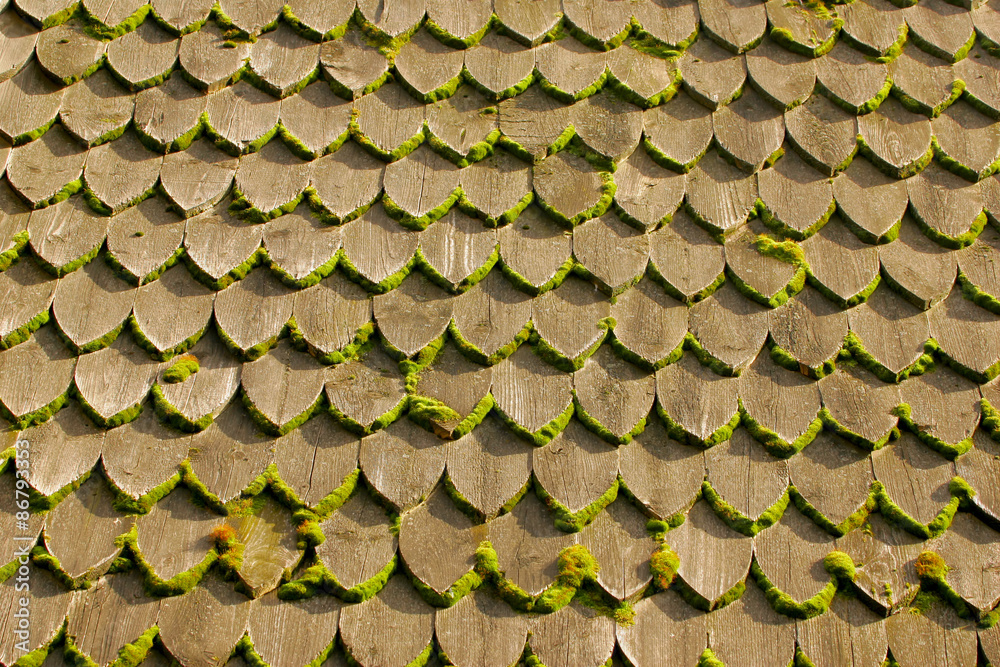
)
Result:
{"points": [[501, 331]]}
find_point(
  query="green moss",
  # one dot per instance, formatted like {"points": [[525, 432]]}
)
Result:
{"points": [[525, 154], [840, 566], [664, 564], [543, 435], [243, 209], [979, 377], [677, 432], [505, 218], [739, 522], [774, 444], [977, 296], [231, 148], [465, 283], [167, 413], [856, 438], [267, 426], [181, 369], [176, 585], [35, 417], [239, 272], [814, 49], [895, 514], [785, 604], [854, 520], [386, 285], [949, 450], [785, 359], [39, 656], [524, 285], [554, 357], [953, 242], [573, 522], [438, 417]]}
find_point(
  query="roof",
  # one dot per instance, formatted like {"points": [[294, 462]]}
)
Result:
{"points": [[491, 332]]}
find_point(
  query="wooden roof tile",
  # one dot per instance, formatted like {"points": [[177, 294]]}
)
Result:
{"points": [[283, 384], [713, 75], [354, 65], [359, 541], [852, 81], [875, 25], [643, 75], [283, 60], [208, 62], [943, 404], [574, 635], [861, 403], [719, 194], [65, 234], [20, 38], [49, 601], [969, 138], [530, 392], [403, 462], [686, 257], [481, 630], [331, 314], [251, 16], [168, 113], [293, 632], [457, 382], [980, 81], [428, 66], [847, 631], [272, 177], [898, 140], [749, 130], [764, 277], [414, 314], [92, 303], [948, 204], [315, 458], [665, 628], [32, 101], [528, 23], [573, 69], [421, 184], [809, 327], [662, 131], [928, 82], [301, 245], [649, 322], [745, 475], [915, 477], [892, 330], [600, 20], [533, 121], [111, 613], [570, 186], [695, 398], [823, 133], [35, 373], [971, 550], [242, 116], [96, 108], [713, 557], [942, 29], [736, 24], [377, 246], [63, 449], [26, 294], [535, 248], [800, 29], [390, 120], [172, 310], [528, 545], [393, 19], [977, 263], [841, 262], [618, 540], [464, 21], [179, 15], [197, 178], [367, 389], [612, 251], [652, 457], [201, 627], [142, 56], [228, 455], [672, 23], [67, 52], [347, 181], [729, 326], [82, 529], [646, 192], [576, 467], [269, 546], [832, 475], [934, 634], [608, 124], [791, 552], [979, 467], [499, 64], [797, 197], [614, 392], [489, 466], [783, 402], [870, 200], [968, 335], [119, 173], [47, 167], [174, 536], [464, 124], [496, 185], [115, 379], [260, 293], [750, 627], [569, 318], [393, 626], [438, 542], [315, 117], [142, 454]]}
